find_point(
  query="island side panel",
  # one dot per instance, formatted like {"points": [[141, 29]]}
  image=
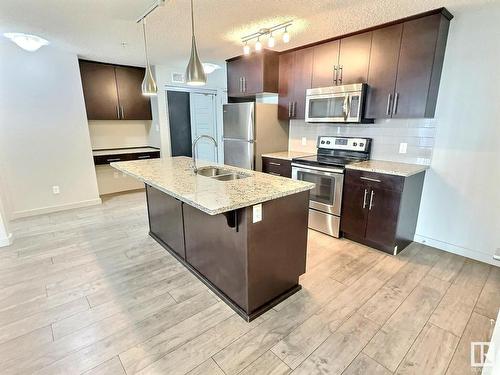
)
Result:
{"points": [[218, 251], [277, 248], [166, 220]]}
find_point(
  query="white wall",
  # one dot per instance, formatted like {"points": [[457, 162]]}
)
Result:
{"points": [[44, 136], [460, 210], [163, 74]]}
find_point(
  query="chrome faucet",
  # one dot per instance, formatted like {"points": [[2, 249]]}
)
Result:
{"points": [[194, 148]]}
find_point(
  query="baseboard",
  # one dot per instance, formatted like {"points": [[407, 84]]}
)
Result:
{"points": [[49, 209], [468, 253], [6, 241]]}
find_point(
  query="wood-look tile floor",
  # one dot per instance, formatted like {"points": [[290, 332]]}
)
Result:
{"points": [[88, 291]]}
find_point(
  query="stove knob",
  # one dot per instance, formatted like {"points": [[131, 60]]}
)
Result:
{"points": [[322, 142], [354, 144], [362, 144], [327, 142]]}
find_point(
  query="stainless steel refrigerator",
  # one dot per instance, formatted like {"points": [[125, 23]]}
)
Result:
{"points": [[250, 130]]}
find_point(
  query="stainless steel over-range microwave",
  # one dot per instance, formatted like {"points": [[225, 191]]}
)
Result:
{"points": [[336, 104]]}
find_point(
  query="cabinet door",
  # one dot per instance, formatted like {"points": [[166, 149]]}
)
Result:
{"points": [[383, 210], [382, 71], [165, 219], [302, 70], [326, 58], [285, 85], [133, 105], [99, 91], [253, 73], [354, 58], [416, 60], [234, 76], [354, 209]]}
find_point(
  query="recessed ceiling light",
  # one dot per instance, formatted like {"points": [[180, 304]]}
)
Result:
{"points": [[26, 41], [210, 68]]}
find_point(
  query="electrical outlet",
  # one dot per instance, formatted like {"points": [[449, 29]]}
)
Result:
{"points": [[304, 141], [257, 213], [402, 148], [55, 189]]}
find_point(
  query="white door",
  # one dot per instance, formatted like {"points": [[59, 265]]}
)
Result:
{"points": [[203, 122]]}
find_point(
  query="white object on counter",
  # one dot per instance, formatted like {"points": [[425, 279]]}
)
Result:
{"points": [[388, 167], [493, 356]]}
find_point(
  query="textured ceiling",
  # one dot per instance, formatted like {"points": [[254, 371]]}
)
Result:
{"points": [[95, 29]]}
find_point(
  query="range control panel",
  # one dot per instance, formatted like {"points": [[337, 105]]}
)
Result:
{"points": [[344, 143]]}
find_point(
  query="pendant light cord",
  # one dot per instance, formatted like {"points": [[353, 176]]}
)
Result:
{"points": [[192, 19], [145, 40]]}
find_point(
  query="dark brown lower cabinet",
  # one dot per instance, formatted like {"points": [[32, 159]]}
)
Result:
{"points": [[381, 210], [251, 266], [277, 167], [166, 219]]}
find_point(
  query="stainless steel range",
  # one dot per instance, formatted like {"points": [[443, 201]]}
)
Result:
{"points": [[326, 170]]}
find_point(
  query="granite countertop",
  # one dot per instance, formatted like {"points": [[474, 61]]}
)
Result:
{"points": [[287, 155], [126, 150], [388, 167], [175, 177]]}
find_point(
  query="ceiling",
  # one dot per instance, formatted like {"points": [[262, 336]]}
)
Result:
{"points": [[96, 29]]}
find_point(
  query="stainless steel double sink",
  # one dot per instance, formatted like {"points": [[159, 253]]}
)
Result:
{"points": [[221, 174]]}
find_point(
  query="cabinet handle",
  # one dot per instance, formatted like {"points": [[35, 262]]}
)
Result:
{"points": [[371, 200], [335, 69], [273, 163], [370, 179], [396, 101], [117, 112], [274, 174], [341, 71], [244, 84], [144, 157], [294, 107], [123, 112], [114, 159], [241, 84], [388, 110], [289, 109], [364, 198]]}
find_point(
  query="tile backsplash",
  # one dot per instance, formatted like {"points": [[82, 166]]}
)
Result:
{"points": [[386, 135]]}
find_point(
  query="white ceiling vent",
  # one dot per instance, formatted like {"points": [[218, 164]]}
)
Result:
{"points": [[178, 78]]}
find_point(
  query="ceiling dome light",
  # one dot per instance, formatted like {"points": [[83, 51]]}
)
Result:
{"points": [[195, 75], [209, 68], [270, 41], [258, 45], [286, 36], [246, 49], [26, 41]]}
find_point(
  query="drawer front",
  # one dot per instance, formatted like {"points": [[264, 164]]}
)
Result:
{"points": [[278, 167], [106, 159], [375, 180]]}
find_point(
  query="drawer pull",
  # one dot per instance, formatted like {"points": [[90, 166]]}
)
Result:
{"points": [[273, 163], [370, 179], [274, 174], [114, 159], [144, 157]]}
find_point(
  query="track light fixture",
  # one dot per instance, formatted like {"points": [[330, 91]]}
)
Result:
{"points": [[266, 32]]}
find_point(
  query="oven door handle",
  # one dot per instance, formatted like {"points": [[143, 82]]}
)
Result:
{"points": [[318, 170]]}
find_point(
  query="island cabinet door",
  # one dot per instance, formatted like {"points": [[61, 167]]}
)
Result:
{"points": [[165, 220], [216, 247]]}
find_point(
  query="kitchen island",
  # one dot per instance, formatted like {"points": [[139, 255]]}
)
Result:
{"points": [[243, 233]]}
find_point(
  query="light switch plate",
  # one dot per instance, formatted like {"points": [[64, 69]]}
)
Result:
{"points": [[55, 189], [402, 148], [304, 141], [257, 213]]}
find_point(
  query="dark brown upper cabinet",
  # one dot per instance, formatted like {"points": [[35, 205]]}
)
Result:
{"points": [[113, 92], [295, 72], [354, 58], [406, 85], [383, 71], [325, 62], [253, 74]]}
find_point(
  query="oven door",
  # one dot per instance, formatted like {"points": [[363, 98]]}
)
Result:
{"points": [[327, 193]]}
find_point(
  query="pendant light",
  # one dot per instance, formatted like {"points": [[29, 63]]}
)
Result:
{"points": [[148, 86], [195, 76]]}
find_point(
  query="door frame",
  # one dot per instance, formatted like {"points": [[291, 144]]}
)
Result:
{"points": [[219, 101]]}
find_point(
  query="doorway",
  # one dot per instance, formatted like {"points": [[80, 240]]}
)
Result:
{"points": [[192, 113]]}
